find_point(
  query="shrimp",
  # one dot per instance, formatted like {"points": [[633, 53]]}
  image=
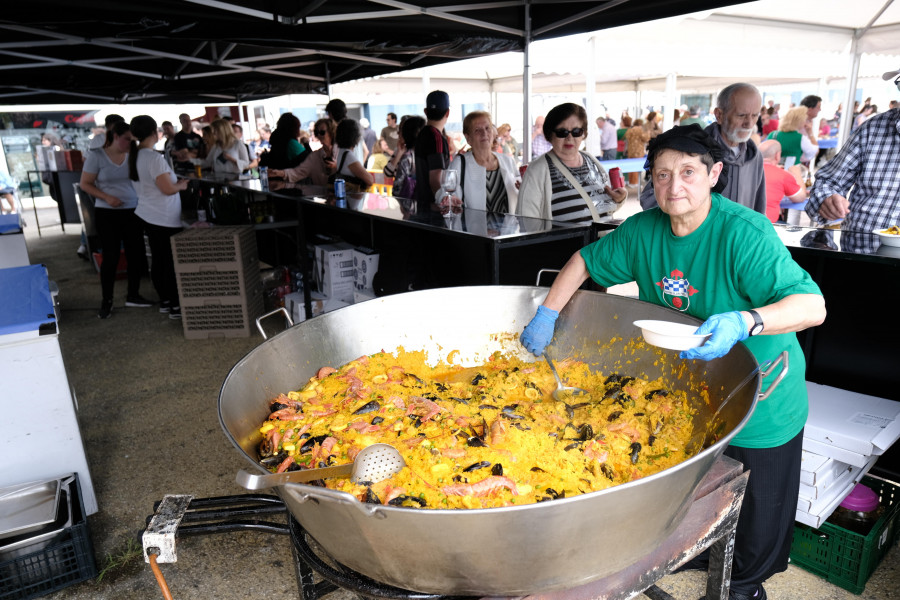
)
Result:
{"points": [[325, 372], [482, 488], [423, 408]]}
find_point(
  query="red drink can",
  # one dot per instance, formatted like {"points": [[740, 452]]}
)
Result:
{"points": [[615, 178]]}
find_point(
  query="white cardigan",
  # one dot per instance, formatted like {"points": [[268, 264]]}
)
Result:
{"points": [[473, 191], [237, 150]]}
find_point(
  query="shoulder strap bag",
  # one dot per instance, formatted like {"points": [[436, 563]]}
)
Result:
{"points": [[568, 175]]}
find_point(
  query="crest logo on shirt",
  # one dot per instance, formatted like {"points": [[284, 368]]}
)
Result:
{"points": [[677, 290]]}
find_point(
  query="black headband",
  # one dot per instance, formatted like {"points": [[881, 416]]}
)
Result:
{"points": [[690, 139]]}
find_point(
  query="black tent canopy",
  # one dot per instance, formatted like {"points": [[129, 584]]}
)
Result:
{"points": [[165, 51]]}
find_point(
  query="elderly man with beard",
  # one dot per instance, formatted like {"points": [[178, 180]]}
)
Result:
{"points": [[736, 112]]}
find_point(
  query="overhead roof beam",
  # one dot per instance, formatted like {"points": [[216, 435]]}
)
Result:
{"points": [[247, 59], [363, 58], [33, 90], [79, 63], [184, 64], [587, 13], [756, 21], [439, 14]]}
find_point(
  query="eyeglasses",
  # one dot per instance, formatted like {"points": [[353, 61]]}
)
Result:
{"points": [[564, 133], [320, 132]]}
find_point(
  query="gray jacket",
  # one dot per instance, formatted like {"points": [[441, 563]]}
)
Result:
{"points": [[746, 179]]}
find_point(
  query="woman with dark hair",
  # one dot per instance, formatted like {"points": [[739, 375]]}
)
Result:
{"points": [[286, 151], [349, 168], [566, 184], [315, 169], [105, 177], [402, 166], [159, 207]]}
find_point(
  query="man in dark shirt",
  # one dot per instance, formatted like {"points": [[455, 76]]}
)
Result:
{"points": [[432, 150], [186, 144]]}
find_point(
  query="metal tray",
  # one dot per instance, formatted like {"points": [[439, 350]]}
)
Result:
{"points": [[27, 543], [27, 507]]}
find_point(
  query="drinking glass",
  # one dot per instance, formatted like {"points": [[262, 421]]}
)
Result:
{"points": [[449, 183]]}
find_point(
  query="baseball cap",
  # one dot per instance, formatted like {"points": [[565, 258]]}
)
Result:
{"points": [[890, 74], [438, 99]]}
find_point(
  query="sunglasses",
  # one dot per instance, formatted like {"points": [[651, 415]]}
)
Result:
{"points": [[564, 133], [320, 132]]}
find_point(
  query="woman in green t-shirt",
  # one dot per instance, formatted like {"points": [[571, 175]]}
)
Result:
{"points": [[745, 285]]}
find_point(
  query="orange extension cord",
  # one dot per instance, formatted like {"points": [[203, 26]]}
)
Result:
{"points": [[160, 579]]}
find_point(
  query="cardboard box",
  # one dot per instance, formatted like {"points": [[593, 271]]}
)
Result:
{"points": [[365, 262], [321, 304], [334, 271], [820, 509], [838, 454], [836, 471], [810, 463], [865, 425]]}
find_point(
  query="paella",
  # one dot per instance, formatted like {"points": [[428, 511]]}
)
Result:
{"points": [[478, 437]]}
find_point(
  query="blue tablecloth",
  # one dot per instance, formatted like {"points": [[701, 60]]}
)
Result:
{"points": [[627, 165], [25, 301], [10, 224]]}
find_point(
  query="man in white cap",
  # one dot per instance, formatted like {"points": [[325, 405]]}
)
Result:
{"points": [[869, 163]]}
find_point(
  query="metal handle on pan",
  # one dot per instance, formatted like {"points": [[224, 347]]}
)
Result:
{"points": [[769, 368], [541, 272], [333, 496], [282, 310]]}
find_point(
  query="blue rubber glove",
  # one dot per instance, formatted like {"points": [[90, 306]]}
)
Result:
{"points": [[539, 332], [727, 329]]}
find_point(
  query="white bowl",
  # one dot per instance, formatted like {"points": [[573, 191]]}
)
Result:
{"points": [[887, 239], [673, 336]]}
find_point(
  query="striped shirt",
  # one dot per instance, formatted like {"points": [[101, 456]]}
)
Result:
{"points": [[496, 199], [869, 163], [567, 204]]}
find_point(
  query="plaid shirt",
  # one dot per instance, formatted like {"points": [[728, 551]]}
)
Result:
{"points": [[870, 163]]}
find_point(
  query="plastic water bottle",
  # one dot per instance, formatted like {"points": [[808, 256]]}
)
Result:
{"points": [[264, 178]]}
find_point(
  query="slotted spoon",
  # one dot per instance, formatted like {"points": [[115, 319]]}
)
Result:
{"points": [[562, 392], [374, 463]]}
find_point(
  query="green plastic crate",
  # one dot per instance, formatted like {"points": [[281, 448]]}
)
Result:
{"points": [[843, 557]]}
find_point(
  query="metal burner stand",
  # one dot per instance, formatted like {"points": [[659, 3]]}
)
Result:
{"points": [[710, 523]]}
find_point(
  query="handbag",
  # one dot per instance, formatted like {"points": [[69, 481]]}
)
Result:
{"points": [[350, 180], [568, 175]]}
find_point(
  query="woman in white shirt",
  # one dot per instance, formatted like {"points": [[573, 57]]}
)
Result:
{"points": [[159, 206], [228, 154], [105, 177], [347, 164], [488, 180]]}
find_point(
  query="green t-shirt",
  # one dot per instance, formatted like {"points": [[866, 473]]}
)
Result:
{"points": [[790, 143], [733, 261], [294, 149]]}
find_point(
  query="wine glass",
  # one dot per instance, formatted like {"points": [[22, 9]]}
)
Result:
{"points": [[449, 183]]}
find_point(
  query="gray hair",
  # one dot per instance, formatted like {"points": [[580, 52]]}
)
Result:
{"points": [[725, 96]]}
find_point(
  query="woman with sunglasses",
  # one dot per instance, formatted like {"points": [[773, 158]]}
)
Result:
{"points": [[558, 185], [320, 164]]}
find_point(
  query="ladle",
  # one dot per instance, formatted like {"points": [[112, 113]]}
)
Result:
{"points": [[374, 463], [563, 391]]}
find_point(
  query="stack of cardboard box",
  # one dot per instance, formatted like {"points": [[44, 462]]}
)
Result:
{"points": [[342, 275], [845, 434]]}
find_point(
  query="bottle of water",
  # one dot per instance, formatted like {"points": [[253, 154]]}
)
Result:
{"points": [[264, 178]]}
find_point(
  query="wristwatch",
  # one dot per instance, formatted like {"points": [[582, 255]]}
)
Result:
{"points": [[758, 325]]}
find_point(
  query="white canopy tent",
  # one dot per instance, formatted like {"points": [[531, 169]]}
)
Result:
{"points": [[814, 43]]}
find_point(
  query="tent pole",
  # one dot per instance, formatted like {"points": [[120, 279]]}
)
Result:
{"points": [[526, 89], [847, 114], [590, 87], [671, 102]]}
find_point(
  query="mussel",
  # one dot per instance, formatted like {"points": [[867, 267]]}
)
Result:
{"points": [[479, 465], [368, 407], [635, 452]]}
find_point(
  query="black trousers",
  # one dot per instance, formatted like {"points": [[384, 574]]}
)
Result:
{"points": [[162, 266], [766, 524], [118, 228]]}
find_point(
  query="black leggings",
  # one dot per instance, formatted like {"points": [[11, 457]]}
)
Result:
{"points": [[162, 265], [118, 227]]}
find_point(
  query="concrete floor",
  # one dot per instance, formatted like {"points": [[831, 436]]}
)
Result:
{"points": [[147, 408]]}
